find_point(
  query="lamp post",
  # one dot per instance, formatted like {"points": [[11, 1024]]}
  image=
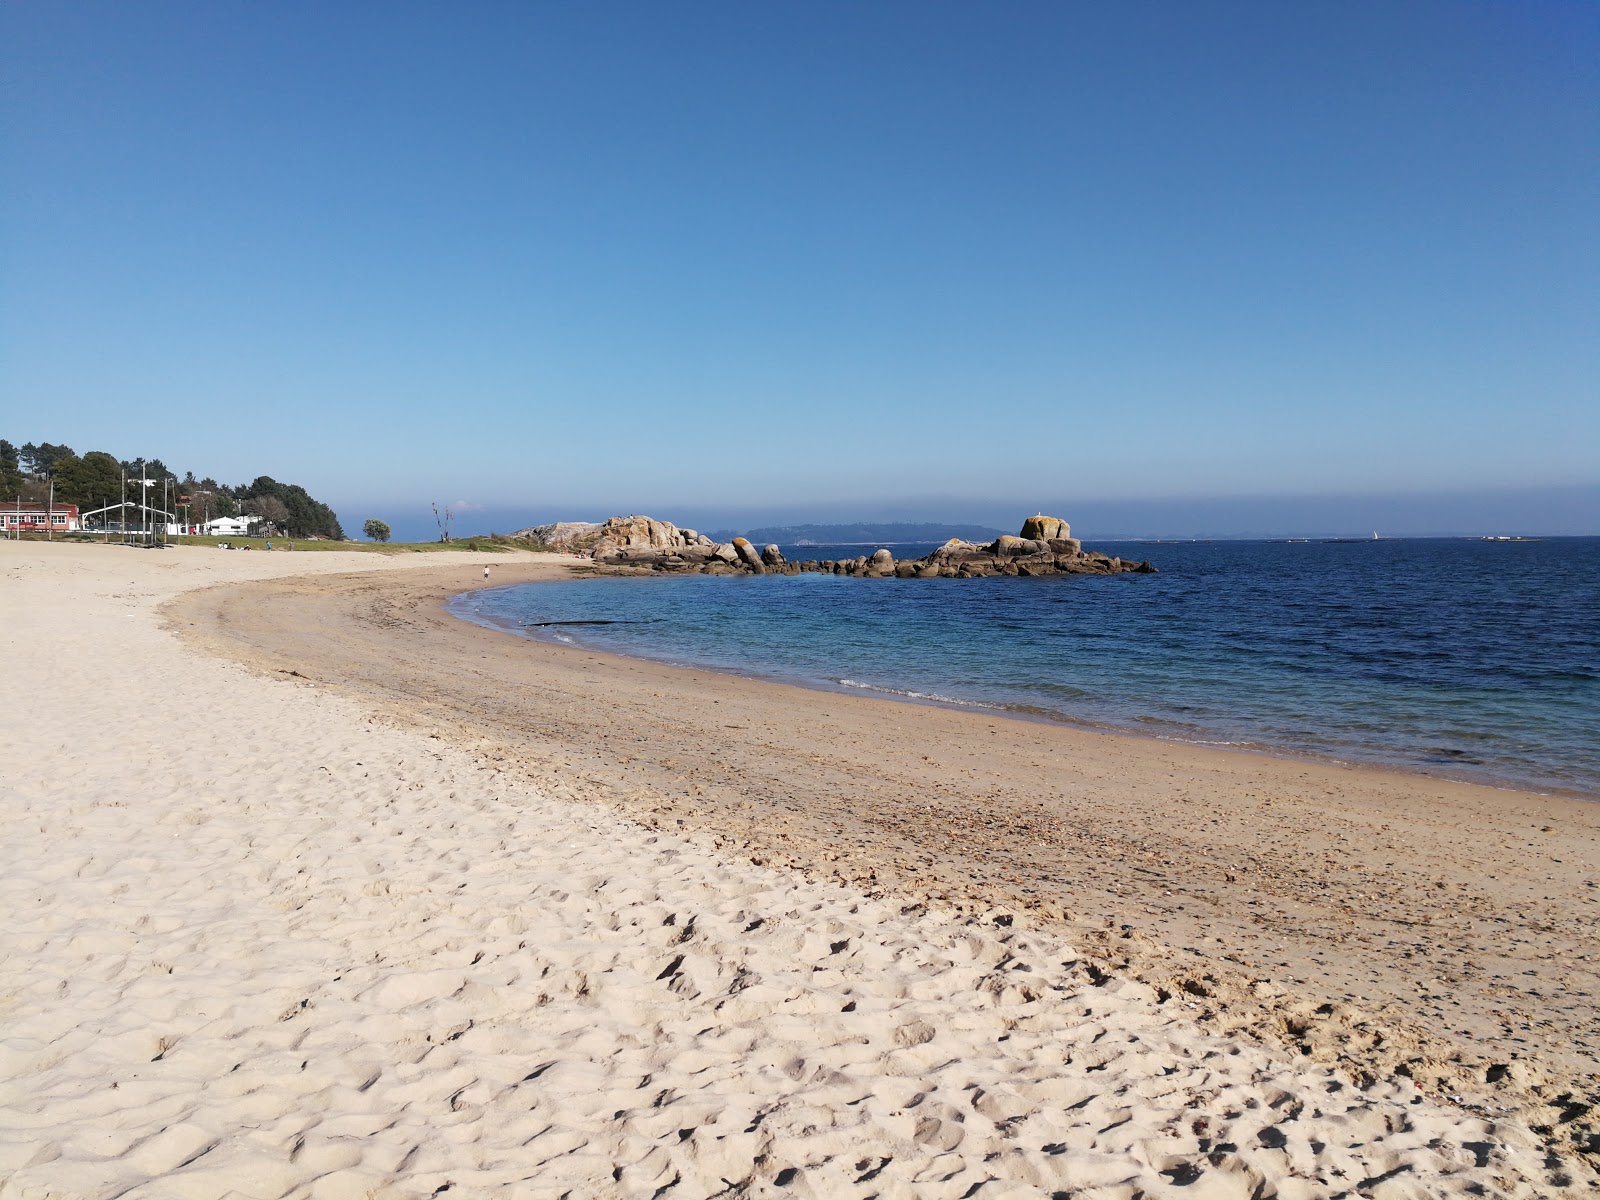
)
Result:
{"points": [[146, 526]]}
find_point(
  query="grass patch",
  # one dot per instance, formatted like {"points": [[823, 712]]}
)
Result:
{"points": [[493, 544]]}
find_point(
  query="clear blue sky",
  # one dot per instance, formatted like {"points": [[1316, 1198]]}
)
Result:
{"points": [[809, 258]]}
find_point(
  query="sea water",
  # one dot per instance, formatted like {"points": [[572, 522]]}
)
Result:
{"points": [[1472, 659]]}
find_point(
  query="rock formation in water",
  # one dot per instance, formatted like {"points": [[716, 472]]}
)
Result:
{"points": [[1044, 547], [621, 539]]}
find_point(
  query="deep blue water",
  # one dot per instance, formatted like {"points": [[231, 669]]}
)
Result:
{"points": [[1476, 660]]}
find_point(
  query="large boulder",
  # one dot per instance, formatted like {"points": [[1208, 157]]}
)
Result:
{"points": [[955, 550], [749, 555], [1007, 546], [643, 531], [771, 556], [632, 555], [1043, 529]]}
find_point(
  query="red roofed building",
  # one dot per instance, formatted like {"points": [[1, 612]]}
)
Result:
{"points": [[37, 518]]}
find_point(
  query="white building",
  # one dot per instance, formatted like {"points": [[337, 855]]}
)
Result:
{"points": [[229, 526]]}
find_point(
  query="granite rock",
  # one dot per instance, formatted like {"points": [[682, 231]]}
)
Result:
{"points": [[1045, 547]]}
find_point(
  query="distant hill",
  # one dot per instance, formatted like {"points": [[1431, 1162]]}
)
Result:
{"points": [[886, 533]]}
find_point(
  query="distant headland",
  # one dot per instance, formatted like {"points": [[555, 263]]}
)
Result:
{"points": [[1045, 546]]}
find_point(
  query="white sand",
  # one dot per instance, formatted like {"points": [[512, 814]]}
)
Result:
{"points": [[258, 944]]}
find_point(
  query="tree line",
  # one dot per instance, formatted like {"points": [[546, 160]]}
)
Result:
{"points": [[95, 479]]}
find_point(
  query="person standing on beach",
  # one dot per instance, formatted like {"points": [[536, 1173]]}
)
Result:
{"points": [[486, 572]]}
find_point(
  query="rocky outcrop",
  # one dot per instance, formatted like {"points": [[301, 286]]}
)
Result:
{"points": [[1044, 529], [562, 535], [1044, 547], [640, 541], [749, 556], [1025, 555], [647, 541]]}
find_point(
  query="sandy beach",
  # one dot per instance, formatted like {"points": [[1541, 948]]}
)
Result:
{"points": [[314, 890]]}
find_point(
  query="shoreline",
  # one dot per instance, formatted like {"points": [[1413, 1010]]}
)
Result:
{"points": [[1021, 712], [1395, 930], [377, 902]]}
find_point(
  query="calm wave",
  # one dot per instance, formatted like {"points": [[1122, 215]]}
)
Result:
{"points": [[1477, 660]]}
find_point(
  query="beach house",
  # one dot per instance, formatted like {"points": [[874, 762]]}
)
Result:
{"points": [[25, 517], [229, 526]]}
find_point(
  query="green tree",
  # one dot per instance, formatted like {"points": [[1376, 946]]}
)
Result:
{"points": [[377, 530], [306, 517], [39, 461], [89, 482], [65, 475], [49, 455], [10, 469], [270, 508], [149, 468]]}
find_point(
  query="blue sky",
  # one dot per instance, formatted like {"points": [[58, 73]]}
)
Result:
{"points": [[800, 260]]}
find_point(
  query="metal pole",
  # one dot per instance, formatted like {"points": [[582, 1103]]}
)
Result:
{"points": [[50, 513]]}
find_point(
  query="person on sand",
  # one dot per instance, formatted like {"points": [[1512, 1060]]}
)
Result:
{"points": [[486, 572]]}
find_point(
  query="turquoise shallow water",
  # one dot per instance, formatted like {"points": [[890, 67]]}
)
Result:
{"points": [[1476, 660]]}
